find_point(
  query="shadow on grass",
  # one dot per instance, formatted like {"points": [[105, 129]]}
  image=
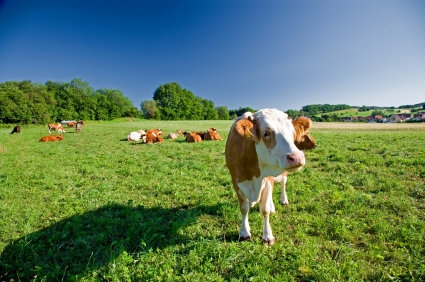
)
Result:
{"points": [[91, 240]]}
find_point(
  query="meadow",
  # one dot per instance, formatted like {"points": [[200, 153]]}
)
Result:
{"points": [[95, 207]]}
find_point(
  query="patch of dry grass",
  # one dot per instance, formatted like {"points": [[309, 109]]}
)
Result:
{"points": [[368, 126]]}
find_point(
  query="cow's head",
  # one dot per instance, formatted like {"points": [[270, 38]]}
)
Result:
{"points": [[306, 142], [273, 134]]}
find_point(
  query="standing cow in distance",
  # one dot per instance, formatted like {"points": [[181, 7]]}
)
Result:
{"points": [[260, 146], [78, 127], [16, 129], [57, 127]]}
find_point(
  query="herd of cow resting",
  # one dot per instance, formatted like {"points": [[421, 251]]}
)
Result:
{"points": [[155, 135], [261, 148]]}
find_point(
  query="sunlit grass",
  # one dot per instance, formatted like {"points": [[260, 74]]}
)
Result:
{"points": [[97, 207]]}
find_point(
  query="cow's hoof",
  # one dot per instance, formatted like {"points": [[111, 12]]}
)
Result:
{"points": [[269, 242], [284, 203], [244, 238]]}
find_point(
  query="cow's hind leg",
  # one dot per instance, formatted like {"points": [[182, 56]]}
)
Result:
{"points": [[266, 208], [245, 231]]}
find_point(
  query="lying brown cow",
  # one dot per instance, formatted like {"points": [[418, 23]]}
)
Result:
{"points": [[16, 129], [51, 138], [192, 137], [154, 136], [212, 134]]}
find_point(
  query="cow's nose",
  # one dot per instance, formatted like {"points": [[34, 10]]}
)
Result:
{"points": [[296, 159]]}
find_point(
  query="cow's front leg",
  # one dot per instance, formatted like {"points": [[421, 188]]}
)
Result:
{"points": [[283, 196], [266, 208], [245, 231]]}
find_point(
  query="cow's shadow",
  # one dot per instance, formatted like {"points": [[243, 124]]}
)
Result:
{"points": [[91, 240]]}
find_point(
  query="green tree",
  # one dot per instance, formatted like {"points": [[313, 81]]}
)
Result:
{"points": [[223, 113], [41, 103], [377, 113], [176, 103], [116, 104], [209, 111], [241, 111], [150, 110], [167, 98], [13, 104]]}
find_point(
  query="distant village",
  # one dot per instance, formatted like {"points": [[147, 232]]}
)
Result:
{"points": [[395, 118]]}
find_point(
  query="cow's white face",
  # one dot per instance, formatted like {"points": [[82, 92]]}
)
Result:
{"points": [[275, 146]]}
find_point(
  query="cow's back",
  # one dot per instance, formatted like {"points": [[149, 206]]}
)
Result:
{"points": [[241, 157]]}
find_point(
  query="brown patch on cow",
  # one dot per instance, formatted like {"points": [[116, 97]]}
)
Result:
{"points": [[248, 128], [269, 139], [241, 157]]}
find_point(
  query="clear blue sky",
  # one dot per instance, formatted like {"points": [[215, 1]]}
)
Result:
{"points": [[283, 54]]}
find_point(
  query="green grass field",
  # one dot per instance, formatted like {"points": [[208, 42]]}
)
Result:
{"points": [[95, 207]]}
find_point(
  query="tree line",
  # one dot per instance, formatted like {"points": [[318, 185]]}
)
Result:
{"points": [[28, 102]]}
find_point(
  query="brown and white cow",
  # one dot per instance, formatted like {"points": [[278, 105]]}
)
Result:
{"points": [[260, 146], [71, 124], [212, 134], [51, 138], [57, 127], [153, 136], [16, 129]]}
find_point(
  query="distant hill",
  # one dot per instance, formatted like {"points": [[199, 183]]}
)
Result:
{"points": [[327, 112]]}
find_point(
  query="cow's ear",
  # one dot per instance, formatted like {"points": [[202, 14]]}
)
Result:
{"points": [[301, 126], [246, 127]]}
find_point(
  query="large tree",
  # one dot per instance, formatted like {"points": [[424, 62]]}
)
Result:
{"points": [[223, 113], [176, 103], [150, 110]]}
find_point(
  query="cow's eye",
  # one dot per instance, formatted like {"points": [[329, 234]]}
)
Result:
{"points": [[267, 133]]}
